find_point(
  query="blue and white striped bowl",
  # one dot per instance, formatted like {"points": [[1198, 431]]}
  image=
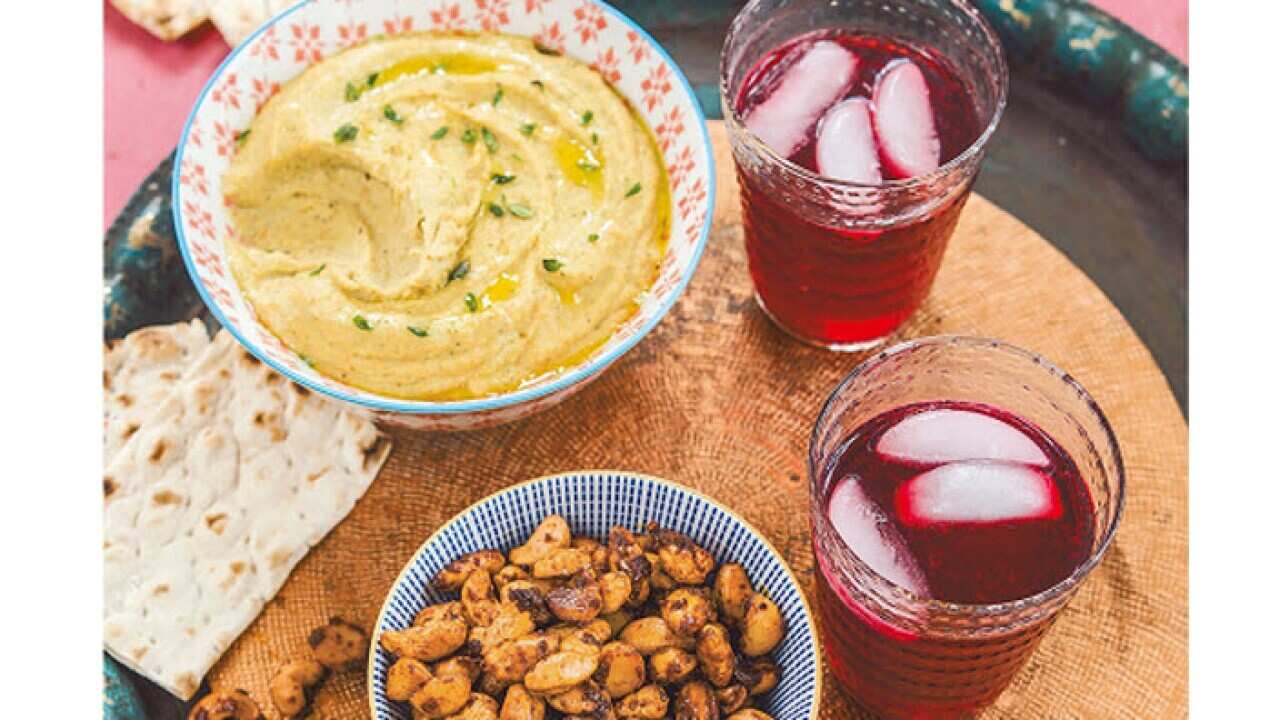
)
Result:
{"points": [[593, 501]]}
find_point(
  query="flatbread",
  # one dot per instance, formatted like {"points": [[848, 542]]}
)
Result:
{"points": [[213, 501], [166, 19], [237, 19], [138, 373]]}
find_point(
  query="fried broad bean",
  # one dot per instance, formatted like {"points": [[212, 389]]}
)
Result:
{"points": [[731, 698], [433, 640], [715, 654], [696, 701], [226, 705], [621, 669], [759, 676], [560, 671], [457, 572], [750, 714], [339, 645], [684, 560], [530, 596], [687, 610], [733, 592], [441, 696], [479, 707], [615, 589], [551, 534], [405, 677], [577, 601], [651, 634], [584, 699], [671, 665], [520, 704], [510, 623], [478, 601], [762, 626], [647, 703], [561, 563], [509, 661], [451, 610], [291, 687], [587, 639]]}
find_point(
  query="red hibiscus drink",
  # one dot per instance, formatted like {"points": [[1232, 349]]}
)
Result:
{"points": [[961, 490], [857, 130]]}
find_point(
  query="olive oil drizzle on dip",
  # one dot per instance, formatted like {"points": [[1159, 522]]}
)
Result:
{"points": [[492, 215]]}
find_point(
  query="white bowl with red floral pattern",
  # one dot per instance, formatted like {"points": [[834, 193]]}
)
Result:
{"points": [[591, 31]]}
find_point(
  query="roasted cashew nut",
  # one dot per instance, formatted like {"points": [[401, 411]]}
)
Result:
{"points": [[339, 645], [405, 677], [551, 534], [293, 683], [430, 641], [226, 705], [457, 572]]}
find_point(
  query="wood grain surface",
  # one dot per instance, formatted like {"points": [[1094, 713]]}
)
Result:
{"points": [[718, 399]]}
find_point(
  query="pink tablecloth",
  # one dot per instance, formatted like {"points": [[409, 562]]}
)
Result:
{"points": [[151, 85]]}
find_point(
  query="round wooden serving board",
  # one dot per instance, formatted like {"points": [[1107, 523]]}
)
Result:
{"points": [[719, 399]]}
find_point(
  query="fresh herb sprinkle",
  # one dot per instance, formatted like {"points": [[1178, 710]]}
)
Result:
{"points": [[497, 96], [472, 303], [538, 84], [635, 190], [468, 136], [371, 80], [490, 140], [593, 237], [242, 136], [529, 128], [496, 209], [318, 270], [586, 117], [440, 132], [346, 133], [353, 92], [551, 264], [459, 271], [501, 179], [361, 323], [520, 210], [595, 138], [390, 113], [416, 331]]}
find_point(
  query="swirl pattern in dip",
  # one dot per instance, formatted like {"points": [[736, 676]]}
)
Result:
{"points": [[444, 216]]}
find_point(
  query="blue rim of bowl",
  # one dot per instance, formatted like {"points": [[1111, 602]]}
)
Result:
{"points": [[814, 710], [492, 402]]}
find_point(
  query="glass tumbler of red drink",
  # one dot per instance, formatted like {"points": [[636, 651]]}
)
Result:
{"points": [[961, 491], [857, 128]]}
